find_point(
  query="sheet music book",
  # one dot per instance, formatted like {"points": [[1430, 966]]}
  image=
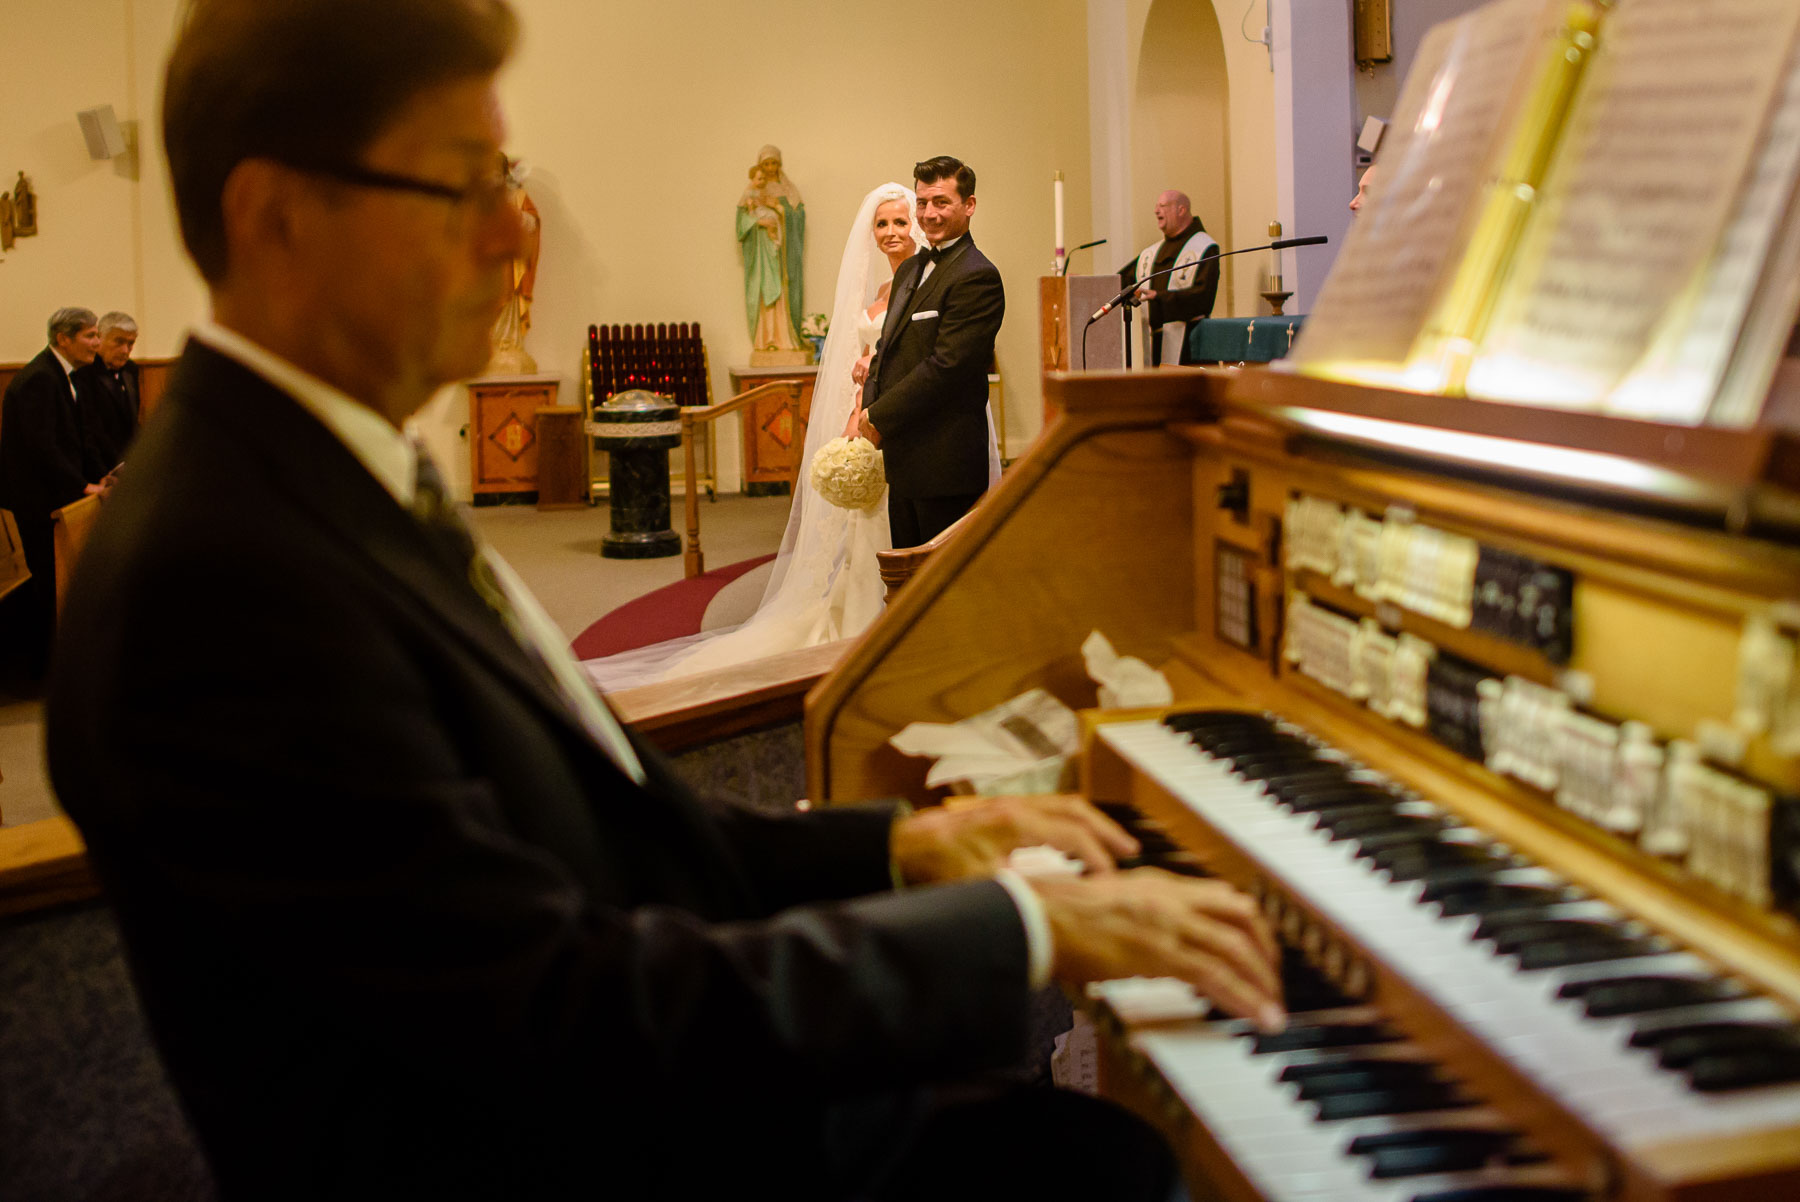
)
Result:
{"points": [[1587, 205]]}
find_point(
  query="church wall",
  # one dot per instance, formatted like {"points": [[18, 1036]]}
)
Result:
{"points": [[1378, 85], [640, 122], [92, 248], [1243, 154], [1181, 132]]}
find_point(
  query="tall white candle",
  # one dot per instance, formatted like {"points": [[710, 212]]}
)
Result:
{"points": [[1061, 254]]}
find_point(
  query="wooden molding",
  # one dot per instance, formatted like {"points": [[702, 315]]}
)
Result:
{"points": [[690, 710]]}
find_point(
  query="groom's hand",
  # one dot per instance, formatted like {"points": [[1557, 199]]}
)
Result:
{"points": [[867, 429]]}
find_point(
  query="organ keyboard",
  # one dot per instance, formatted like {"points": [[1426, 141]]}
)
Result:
{"points": [[1505, 752]]}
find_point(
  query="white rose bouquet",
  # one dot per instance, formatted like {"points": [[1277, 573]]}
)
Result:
{"points": [[847, 473]]}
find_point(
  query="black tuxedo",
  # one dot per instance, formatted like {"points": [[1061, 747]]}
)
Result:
{"points": [[401, 928], [47, 460], [113, 417], [927, 389]]}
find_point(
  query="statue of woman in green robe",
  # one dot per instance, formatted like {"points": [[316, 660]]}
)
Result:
{"points": [[771, 231]]}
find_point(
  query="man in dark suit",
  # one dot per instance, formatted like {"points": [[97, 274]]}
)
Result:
{"points": [[112, 381], [411, 916], [925, 398], [47, 460]]}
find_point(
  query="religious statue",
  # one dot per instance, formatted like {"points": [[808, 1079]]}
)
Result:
{"points": [[771, 230], [24, 205], [510, 356]]}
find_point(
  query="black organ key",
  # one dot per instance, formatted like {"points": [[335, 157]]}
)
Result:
{"points": [[1409, 1099], [1488, 897], [1512, 932], [1724, 1034], [1567, 953], [1457, 875], [1421, 861], [1679, 1048], [1723, 1071], [1300, 1037], [1324, 1078], [1506, 1193], [1641, 995], [1437, 1150], [1456, 1156], [1378, 822], [1318, 797]]}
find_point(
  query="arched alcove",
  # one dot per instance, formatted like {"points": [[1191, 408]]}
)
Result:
{"points": [[1181, 124]]}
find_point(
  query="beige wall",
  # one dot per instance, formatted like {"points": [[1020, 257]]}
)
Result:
{"points": [[640, 121], [106, 233]]}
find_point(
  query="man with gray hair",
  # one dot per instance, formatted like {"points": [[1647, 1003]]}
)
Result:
{"points": [[47, 461], [1188, 292], [111, 382]]}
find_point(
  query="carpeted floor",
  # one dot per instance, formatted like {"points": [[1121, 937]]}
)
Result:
{"points": [[557, 553]]}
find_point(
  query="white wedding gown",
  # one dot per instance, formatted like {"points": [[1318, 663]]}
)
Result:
{"points": [[825, 583]]}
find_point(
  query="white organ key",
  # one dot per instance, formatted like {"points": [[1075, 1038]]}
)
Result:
{"points": [[1584, 1062]]}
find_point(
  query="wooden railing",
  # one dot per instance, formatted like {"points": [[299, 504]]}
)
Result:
{"points": [[897, 566], [693, 561], [707, 706]]}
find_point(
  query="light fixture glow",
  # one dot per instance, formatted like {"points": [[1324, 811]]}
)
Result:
{"points": [[1483, 450]]}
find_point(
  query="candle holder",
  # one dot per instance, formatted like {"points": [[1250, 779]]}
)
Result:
{"points": [[1276, 299]]}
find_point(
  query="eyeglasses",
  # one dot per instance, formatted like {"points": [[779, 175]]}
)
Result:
{"points": [[483, 195]]}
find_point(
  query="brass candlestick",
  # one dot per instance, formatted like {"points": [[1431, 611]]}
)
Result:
{"points": [[1274, 293]]}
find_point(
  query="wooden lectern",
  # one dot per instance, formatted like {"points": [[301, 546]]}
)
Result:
{"points": [[1064, 305]]}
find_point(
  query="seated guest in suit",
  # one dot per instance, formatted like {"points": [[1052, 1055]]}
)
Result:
{"points": [[113, 418], [1187, 293], [47, 460], [410, 914]]}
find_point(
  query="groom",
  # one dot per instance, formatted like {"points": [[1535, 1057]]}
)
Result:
{"points": [[925, 397]]}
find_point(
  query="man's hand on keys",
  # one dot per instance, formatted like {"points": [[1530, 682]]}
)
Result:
{"points": [[1150, 923], [974, 839]]}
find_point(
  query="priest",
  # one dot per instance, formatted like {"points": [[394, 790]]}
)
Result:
{"points": [[1187, 293]]}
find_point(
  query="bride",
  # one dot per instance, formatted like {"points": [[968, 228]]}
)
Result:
{"points": [[825, 583]]}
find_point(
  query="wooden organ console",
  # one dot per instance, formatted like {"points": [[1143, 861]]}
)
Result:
{"points": [[1493, 709]]}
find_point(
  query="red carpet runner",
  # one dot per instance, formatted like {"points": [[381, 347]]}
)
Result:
{"points": [[668, 613]]}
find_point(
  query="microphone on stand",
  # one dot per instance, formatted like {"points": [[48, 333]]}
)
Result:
{"points": [[1131, 289], [1083, 246], [1126, 297]]}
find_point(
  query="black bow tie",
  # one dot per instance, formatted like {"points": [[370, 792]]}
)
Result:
{"points": [[933, 254]]}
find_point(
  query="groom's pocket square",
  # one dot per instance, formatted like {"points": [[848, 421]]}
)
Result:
{"points": [[924, 315]]}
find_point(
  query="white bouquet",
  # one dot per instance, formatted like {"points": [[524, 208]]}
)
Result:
{"points": [[847, 473]]}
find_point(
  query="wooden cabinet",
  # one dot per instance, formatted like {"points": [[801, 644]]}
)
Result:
{"points": [[503, 450], [562, 458], [773, 435]]}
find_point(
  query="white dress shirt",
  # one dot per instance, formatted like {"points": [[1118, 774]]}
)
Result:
{"points": [[68, 371]]}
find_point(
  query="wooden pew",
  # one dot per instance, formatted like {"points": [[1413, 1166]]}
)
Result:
{"points": [[13, 571], [69, 530]]}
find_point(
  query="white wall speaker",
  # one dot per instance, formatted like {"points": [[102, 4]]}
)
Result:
{"points": [[105, 140]]}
